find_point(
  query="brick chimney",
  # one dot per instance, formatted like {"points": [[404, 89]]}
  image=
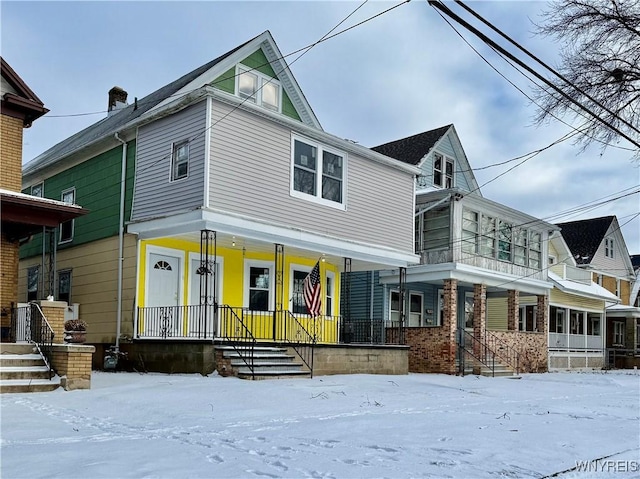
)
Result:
{"points": [[117, 99]]}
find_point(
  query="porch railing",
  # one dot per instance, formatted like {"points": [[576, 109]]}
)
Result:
{"points": [[20, 323], [41, 334], [365, 331], [506, 353], [177, 322], [235, 331], [298, 338]]}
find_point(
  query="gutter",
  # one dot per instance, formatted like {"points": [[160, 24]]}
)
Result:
{"points": [[123, 178]]}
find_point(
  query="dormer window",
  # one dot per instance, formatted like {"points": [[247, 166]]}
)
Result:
{"points": [[258, 88], [442, 171]]}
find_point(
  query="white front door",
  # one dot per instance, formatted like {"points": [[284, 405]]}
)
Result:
{"points": [[164, 280], [163, 289]]}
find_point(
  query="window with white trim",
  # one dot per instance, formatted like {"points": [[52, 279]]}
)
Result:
{"points": [[259, 89], [469, 231], [66, 228], [594, 320], [298, 305], [329, 293], [394, 307], [527, 318], [576, 321], [416, 302], [442, 171], [259, 287], [505, 239], [618, 333], [180, 160], [318, 172], [38, 190], [608, 247], [557, 320]]}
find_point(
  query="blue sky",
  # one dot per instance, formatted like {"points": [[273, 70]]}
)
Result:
{"points": [[401, 73]]}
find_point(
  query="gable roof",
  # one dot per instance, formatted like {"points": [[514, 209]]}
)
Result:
{"points": [[22, 102], [585, 236], [134, 113], [412, 149]]}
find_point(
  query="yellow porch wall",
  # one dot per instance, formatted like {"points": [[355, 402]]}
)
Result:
{"points": [[233, 271]]}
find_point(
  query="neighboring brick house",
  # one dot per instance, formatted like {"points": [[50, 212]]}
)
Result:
{"points": [[22, 215], [598, 246]]}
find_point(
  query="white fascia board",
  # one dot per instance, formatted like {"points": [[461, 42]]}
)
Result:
{"points": [[313, 133], [468, 274], [250, 228]]}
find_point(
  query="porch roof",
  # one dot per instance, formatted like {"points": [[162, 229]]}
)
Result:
{"points": [[243, 232], [592, 290], [623, 311], [466, 274]]}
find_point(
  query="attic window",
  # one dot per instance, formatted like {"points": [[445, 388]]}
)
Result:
{"points": [[442, 171], [258, 88], [608, 247]]}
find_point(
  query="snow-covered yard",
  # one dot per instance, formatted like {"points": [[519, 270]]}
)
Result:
{"points": [[421, 425]]}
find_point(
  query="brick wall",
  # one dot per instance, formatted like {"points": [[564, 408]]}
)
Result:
{"points": [[8, 277], [10, 153], [531, 346], [73, 365], [54, 312]]}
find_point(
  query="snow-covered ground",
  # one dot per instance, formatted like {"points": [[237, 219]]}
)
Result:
{"points": [[362, 426]]}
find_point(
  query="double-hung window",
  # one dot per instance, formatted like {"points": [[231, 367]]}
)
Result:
{"points": [[259, 89], [66, 228], [180, 160], [527, 318], [442, 171], [608, 247], [64, 285], [318, 172], [618, 333]]}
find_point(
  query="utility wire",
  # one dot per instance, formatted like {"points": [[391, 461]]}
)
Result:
{"points": [[438, 5]]}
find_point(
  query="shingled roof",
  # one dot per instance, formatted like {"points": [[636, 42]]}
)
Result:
{"points": [[110, 125], [413, 148], [583, 237]]}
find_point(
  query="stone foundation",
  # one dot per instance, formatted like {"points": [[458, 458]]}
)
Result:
{"points": [[532, 348]]}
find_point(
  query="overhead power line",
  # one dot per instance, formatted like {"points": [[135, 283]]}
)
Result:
{"points": [[447, 11]]}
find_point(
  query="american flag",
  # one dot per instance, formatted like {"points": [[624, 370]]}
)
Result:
{"points": [[312, 290]]}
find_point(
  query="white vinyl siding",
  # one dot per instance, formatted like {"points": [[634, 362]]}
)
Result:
{"points": [[251, 153]]}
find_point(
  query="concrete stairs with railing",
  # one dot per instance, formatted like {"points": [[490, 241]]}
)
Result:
{"points": [[473, 365], [269, 362], [23, 370]]}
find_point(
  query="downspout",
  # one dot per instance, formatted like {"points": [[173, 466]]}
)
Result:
{"points": [[123, 178]]}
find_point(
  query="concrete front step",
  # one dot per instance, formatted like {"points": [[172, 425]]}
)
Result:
{"points": [[16, 348], [24, 372], [245, 373], [29, 385]]}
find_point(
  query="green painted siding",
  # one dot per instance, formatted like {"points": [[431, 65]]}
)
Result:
{"points": [[258, 61], [227, 81], [287, 107], [97, 185]]}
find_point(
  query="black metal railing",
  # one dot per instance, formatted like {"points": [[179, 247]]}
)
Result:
{"points": [[298, 338], [507, 354], [363, 331], [239, 336], [176, 322], [468, 344], [41, 334]]}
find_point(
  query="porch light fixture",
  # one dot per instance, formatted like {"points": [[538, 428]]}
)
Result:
{"points": [[233, 241], [323, 257]]}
